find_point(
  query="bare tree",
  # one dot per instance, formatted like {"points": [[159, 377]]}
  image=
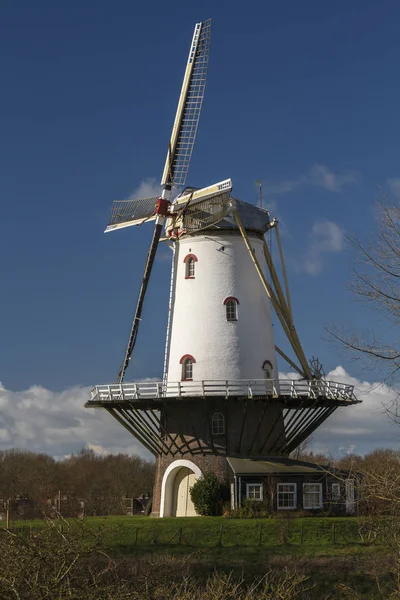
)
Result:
{"points": [[375, 283]]}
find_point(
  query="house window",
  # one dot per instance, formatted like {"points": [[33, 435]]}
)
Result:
{"points": [[218, 424], [286, 497], [187, 362], [254, 491], [312, 496], [335, 491], [190, 261], [231, 305], [267, 368]]}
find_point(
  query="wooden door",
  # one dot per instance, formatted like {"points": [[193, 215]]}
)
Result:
{"points": [[182, 502]]}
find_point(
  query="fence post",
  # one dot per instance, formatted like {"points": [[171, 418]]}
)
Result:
{"points": [[333, 533], [302, 532], [180, 536], [220, 536], [136, 535], [260, 534]]}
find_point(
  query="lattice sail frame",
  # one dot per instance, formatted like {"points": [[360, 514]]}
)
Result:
{"points": [[205, 214], [125, 213], [189, 108]]}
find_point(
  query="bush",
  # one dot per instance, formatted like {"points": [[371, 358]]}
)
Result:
{"points": [[250, 509], [206, 495]]}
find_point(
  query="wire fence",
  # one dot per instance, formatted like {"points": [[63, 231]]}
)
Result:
{"points": [[245, 534], [281, 532]]}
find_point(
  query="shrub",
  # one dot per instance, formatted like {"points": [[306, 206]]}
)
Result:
{"points": [[206, 495], [250, 509]]}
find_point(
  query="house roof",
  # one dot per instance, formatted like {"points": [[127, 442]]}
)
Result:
{"points": [[248, 466]]}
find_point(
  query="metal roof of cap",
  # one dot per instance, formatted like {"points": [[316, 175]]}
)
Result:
{"points": [[254, 218]]}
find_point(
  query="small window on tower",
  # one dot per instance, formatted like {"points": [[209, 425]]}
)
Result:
{"points": [[190, 261], [267, 368], [187, 369], [231, 307], [218, 424], [190, 268], [187, 362]]}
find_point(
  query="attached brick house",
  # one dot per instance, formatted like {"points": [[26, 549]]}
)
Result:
{"points": [[284, 484]]}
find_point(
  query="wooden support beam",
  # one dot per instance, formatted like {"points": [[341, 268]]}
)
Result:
{"points": [[208, 417], [160, 426], [289, 361], [243, 424], [293, 339], [303, 435], [190, 420], [280, 416], [277, 285], [137, 421], [285, 279], [301, 420], [266, 404], [113, 412], [226, 425]]}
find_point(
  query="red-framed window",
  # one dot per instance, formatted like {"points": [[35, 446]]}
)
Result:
{"points": [[187, 361], [231, 308], [190, 261]]}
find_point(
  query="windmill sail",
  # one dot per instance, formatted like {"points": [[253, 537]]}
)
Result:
{"points": [[210, 191], [125, 213], [189, 107], [135, 212], [205, 214]]}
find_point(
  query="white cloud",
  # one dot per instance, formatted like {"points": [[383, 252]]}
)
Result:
{"points": [[325, 237], [394, 186], [57, 423], [317, 176], [361, 427], [148, 188]]}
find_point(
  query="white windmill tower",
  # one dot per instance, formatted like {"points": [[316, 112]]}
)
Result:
{"points": [[220, 396]]}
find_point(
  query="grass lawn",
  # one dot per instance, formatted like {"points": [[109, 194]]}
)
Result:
{"points": [[330, 551], [294, 536]]}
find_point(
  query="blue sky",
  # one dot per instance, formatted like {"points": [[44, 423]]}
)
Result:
{"points": [[301, 95]]}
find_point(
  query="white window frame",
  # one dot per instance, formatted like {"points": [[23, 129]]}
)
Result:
{"points": [[319, 492], [259, 486], [336, 492], [267, 369], [231, 308], [294, 492], [184, 367], [190, 268], [217, 420]]}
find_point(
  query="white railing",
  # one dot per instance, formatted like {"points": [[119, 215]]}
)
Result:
{"points": [[243, 387]]}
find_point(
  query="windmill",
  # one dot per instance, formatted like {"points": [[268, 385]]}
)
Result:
{"points": [[221, 395]]}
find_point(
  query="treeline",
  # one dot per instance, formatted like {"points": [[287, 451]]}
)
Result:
{"points": [[378, 459], [377, 477], [84, 483]]}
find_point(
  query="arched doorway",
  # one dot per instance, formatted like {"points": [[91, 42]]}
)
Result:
{"points": [[175, 496], [182, 505]]}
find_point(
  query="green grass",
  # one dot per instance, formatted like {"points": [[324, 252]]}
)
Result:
{"points": [[305, 545], [313, 536]]}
